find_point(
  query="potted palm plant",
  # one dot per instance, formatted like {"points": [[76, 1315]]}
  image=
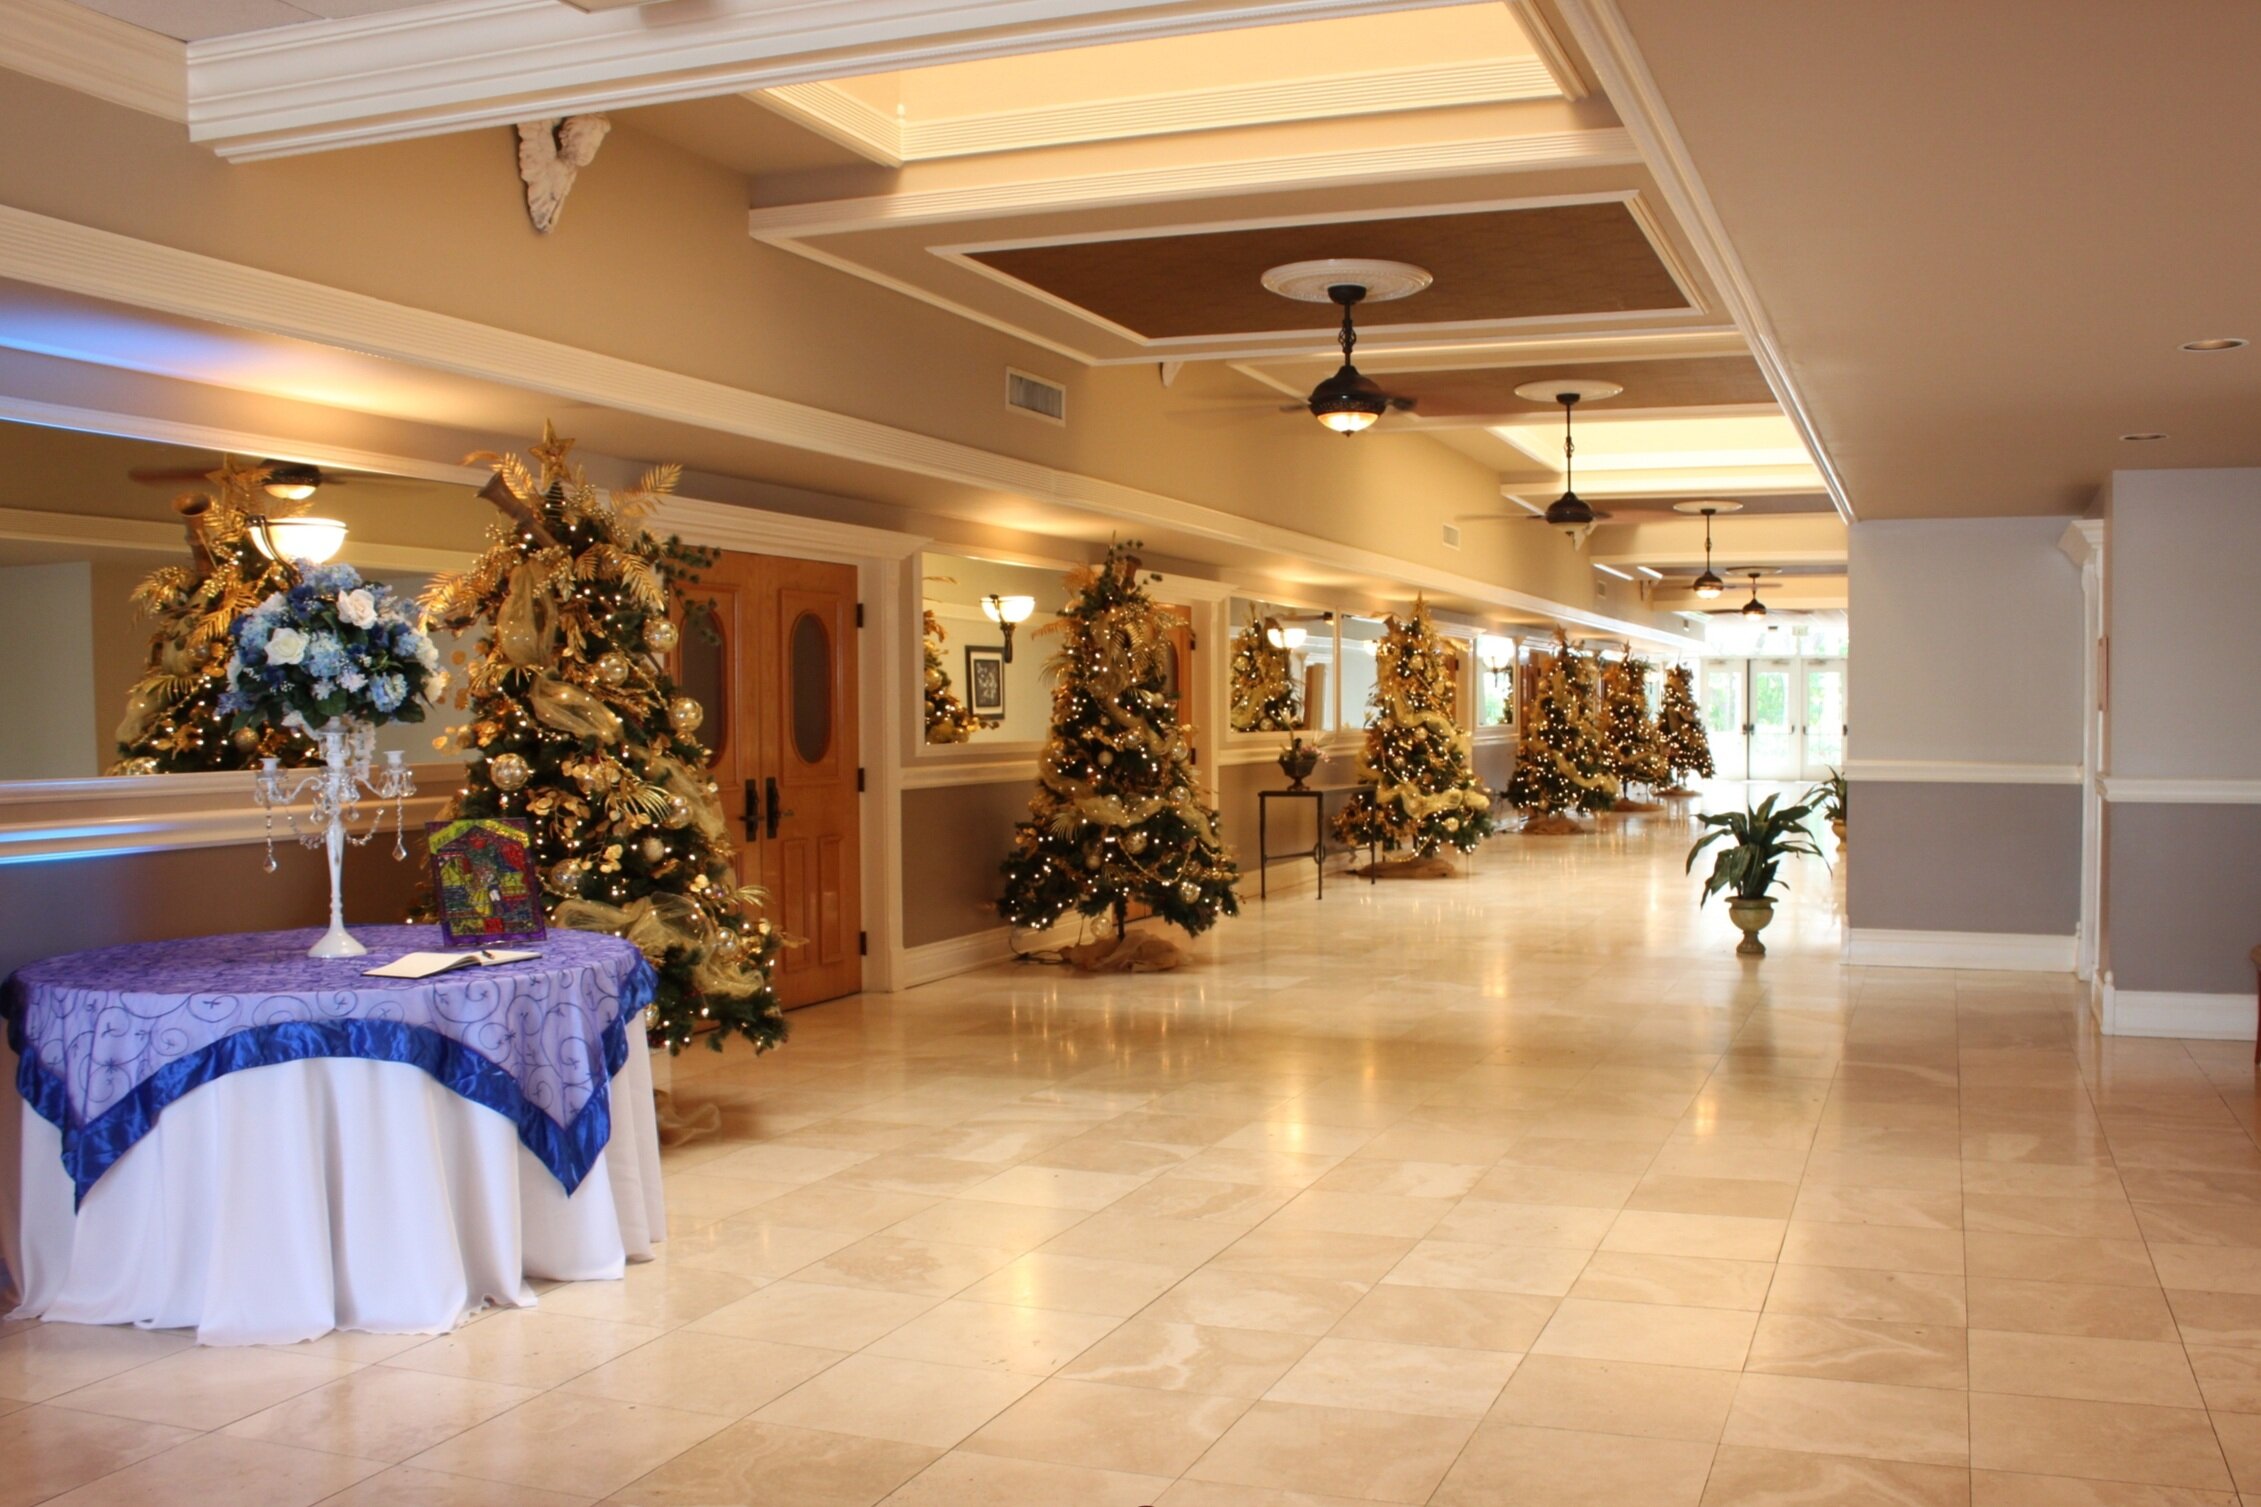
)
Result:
{"points": [[1830, 796], [1759, 838]]}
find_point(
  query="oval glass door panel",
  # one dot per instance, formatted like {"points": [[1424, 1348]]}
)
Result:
{"points": [[703, 656], [811, 652]]}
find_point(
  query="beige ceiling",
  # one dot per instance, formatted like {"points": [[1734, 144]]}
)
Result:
{"points": [[1982, 231]]}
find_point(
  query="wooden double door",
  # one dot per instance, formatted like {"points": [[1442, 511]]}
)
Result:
{"points": [[775, 666]]}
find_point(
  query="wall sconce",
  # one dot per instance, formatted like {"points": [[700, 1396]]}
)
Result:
{"points": [[313, 540], [1290, 639], [1005, 612]]}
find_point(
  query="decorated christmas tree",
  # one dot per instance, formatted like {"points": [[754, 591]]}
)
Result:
{"points": [[577, 727], [1117, 819], [1417, 767], [1263, 685], [947, 720], [1562, 766], [1636, 749], [172, 723], [1687, 747]]}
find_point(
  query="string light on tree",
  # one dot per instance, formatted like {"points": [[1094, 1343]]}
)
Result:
{"points": [[1562, 765], [1680, 724], [578, 728], [1417, 766], [1636, 749], [1117, 819]]}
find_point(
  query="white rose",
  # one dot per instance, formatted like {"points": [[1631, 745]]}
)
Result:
{"points": [[358, 608], [286, 646], [428, 654]]}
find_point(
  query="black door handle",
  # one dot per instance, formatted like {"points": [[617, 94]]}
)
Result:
{"points": [[753, 809], [769, 825]]}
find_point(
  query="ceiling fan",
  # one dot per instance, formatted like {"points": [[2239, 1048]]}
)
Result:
{"points": [[1349, 401], [1754, 608], [1708, 585]]}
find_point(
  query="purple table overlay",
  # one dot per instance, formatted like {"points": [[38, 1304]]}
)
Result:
{"points": [[108, 1038]]}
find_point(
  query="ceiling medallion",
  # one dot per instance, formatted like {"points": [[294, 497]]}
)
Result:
{"points": [[1315, 282]]}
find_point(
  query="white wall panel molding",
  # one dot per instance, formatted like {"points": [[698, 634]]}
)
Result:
{"points": [[2141, 790], [1541, 151], [2189, 1017], [940, 960], [1600, 33], [85, 50], [170, 822], [59, 254], [1961, 772], [1977, 951], [434, 69]]}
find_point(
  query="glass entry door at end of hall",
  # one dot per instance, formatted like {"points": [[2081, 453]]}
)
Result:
{"points": [[780, 690], [1822, 715]]}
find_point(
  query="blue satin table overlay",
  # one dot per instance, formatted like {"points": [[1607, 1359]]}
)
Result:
{"points": [[107, 1039]]}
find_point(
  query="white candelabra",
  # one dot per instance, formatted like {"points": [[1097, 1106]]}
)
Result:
{"points": [[336, 792]]}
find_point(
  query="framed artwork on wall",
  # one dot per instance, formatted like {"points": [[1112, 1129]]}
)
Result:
{"points": [[985, 680]]}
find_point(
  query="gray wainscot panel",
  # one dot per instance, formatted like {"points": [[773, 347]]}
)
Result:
{"points": [[1964, 857], [2183, 890]]}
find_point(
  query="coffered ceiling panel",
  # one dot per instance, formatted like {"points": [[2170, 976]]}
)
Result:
{"points": [[1489, 392], [1551, 261]]}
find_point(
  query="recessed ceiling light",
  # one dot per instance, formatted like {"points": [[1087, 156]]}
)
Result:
{"points": [[2148, 434], [2215, 343]]}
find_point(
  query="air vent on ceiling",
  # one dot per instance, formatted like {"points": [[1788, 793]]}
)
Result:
{"points": [[1452, 536], [1034, 395]]}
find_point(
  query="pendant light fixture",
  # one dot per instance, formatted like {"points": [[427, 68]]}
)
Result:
{"points": [[1349, 401], [1754, 607], [1569, 510], [1708, 585]]}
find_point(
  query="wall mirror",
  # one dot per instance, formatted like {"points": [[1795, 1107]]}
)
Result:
{"points": [[85, 518], [1359, 636], [975, 690], [1277, 667], [1495, 680]]}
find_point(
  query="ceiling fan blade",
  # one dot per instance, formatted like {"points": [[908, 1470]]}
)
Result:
{"points": [[161, 476]]}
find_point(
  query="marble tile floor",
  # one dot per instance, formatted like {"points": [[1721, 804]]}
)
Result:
{"points": [[1515, 1188]]}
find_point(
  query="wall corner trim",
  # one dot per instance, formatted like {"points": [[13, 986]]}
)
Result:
{"points": [[2144, 790], [2188, 1017], [1976, 951]]}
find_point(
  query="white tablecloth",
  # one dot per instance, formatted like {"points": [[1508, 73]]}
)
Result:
{"points": [[282, 1202]]}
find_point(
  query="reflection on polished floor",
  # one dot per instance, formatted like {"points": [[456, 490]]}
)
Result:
{"points": [[1513, 1188]]}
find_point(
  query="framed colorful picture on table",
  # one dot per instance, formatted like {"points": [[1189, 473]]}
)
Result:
{"points": [[985, 681], [483, 881]]}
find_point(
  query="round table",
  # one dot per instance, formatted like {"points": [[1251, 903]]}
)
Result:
{"points": [[224, 1134]]}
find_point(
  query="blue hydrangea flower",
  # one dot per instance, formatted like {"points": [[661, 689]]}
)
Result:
{"points": [[325, 657], [387, 692]]}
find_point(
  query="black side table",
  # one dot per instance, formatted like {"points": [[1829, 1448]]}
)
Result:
{"points": [[1317, 852]]}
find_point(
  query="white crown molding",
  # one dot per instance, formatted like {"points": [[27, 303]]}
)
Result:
{"points": [[1975, 951], [30, 526], [2083, 541], [1960, 772], [1541, 151], [1547, 42], [470, 63], [101, 264], [722, 525], [2148, 790], [85, 50], [159, 830], [1600, 32], [2180, 1016], [838, 116]]}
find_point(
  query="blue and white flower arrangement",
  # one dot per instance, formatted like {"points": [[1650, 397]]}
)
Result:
{"points": [[332, 647]]}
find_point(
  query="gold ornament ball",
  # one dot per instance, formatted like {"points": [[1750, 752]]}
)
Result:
{"points": [[613, 667], [652, 849], [245, 738], [684, 714], [509, 771], [1189, 892], [678, 812], [567, 873], [660, 635], [726, 943], [1135, 841]]}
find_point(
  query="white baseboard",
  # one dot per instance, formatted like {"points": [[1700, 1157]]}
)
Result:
{"points": [[2017, 952], [940, 960], [2190, 1017]]}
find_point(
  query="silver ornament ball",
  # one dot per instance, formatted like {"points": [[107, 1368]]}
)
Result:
{"points": [[613, 667], [509, 771], [660, 635]]}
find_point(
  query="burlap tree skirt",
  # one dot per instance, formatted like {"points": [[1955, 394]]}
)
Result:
{"points": [[1133, 952], [1408, 868], [1554, 825]]}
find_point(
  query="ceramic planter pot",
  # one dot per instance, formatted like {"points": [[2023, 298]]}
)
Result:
{"points": [[1297, 760], [1838, 827], [1750, 918]]}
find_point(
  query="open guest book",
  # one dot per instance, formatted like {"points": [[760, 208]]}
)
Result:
{"points": [[423, 965]]}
